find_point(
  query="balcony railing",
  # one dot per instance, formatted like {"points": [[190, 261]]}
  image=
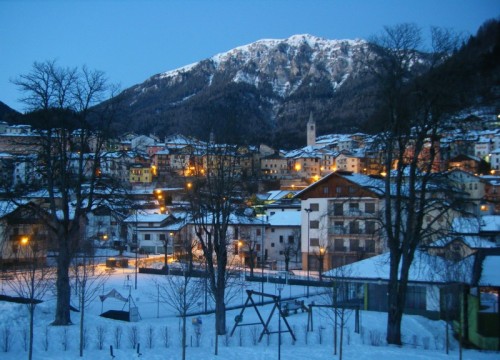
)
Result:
{"points": [[345, 230], [352, 213]]}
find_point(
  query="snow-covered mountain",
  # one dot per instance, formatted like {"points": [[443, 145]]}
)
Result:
{"points": [[282, 64], [255, 91]]}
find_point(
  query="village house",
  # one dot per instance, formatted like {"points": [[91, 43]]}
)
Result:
{"points": [[140, 174], [339, 220], [495, 161], [148, 232], [274, 166], [282, 237]]}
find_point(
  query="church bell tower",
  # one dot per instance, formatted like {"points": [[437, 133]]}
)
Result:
{"points": [[311, 131]]}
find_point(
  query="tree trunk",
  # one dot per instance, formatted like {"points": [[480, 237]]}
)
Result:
{"points": [[82, 315], [394, 318], [184, 336], [63, 316], [341, 332], [32, 320], [335, 332], [216, 342], [396, 298], [220, 314]]}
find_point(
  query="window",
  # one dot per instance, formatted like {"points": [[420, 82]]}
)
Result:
{"points": [[272, 230], [281, 239], [314, 207], [339, 189], [370, 246], [162, 237], [290, 239], [258, 232], [314, 224], [369, 227], [272, 244], [353, 207], [339, 245], [325, 190], [257, 247], [354, 245], [314, 242], [147, 236], [354, 227], [338, 227], [338, 209], [370, 208], [416, 297]]}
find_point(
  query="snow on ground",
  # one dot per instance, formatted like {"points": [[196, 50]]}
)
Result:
{"points": [[423, 338]]}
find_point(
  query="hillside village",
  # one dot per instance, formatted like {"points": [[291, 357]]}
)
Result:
{"points": [[312, 212]]}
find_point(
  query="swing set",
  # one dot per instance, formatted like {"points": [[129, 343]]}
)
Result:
{"points": [[265, 330]]}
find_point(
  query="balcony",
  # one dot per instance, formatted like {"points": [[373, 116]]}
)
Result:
{"points": [[345, 230]]}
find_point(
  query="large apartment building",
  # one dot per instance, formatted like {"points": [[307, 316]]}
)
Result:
{"points": [[339, 220]]}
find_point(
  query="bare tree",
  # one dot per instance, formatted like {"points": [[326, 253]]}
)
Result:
{"points": [[453, 272], [71, 133], [211, 194], [186, 246], [291, 248], [33, 278], [337, 297], [181, 293], [89, 279], [415, 100], [247, 248]]}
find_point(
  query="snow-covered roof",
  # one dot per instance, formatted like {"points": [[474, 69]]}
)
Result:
{"points": [[375, 185], [489, 273], [274, 195], [473, 225], [285, 218], [425, 268], [490, 223], [141, 217], [474, 242], [6, 207]]}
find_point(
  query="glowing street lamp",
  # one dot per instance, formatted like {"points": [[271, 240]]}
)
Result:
{"points": [[25, 240], [321, 258], [308, 210]]}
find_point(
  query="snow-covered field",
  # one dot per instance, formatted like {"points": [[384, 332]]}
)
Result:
{"points": [[424, 339]]}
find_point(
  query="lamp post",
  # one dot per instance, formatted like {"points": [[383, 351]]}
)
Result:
{"points": [[308, 210], [136, 249], [262, 264], [242, 258], [166, 251], [280, 287], [321, 259]]}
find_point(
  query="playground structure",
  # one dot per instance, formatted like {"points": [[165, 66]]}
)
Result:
{"points": [[238, 320], [131, 315]]}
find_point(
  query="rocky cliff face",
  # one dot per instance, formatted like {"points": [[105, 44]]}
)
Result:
{"points": [[263, 91]]}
